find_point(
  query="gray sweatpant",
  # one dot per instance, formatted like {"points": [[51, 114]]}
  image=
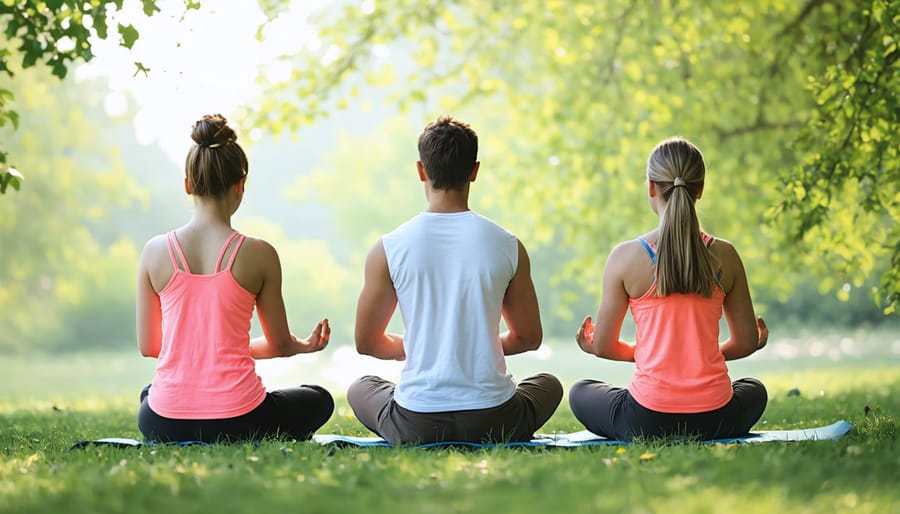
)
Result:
{"points": [[535, 400]]}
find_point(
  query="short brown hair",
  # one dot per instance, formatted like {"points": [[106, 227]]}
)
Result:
{"points": [[448, 149]]}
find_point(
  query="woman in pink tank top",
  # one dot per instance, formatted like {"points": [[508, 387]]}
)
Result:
{"points": [[198, 286], [677, 281]]}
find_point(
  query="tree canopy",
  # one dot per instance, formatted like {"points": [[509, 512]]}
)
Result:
{"points": [[56, 34], [794, 105]]}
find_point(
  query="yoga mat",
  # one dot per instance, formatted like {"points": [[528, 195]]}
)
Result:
{"points": [[125, 442], [831, 432]]}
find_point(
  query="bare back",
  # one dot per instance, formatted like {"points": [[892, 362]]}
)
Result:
{"points": [[633, 267], [202, 250], [629, 275]]}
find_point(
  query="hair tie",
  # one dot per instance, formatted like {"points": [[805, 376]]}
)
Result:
{"points": [[205, 144], [679, 182]]}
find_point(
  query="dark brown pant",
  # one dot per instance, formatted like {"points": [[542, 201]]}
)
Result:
{"points": [[535, 400]]}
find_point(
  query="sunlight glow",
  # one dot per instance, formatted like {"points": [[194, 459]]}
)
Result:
{"points": [[333, 53], [381, 51], [200, 62], [116, 104], [65, 44]]}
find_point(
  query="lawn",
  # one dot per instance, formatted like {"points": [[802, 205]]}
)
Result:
{"points": [[859, 473]]}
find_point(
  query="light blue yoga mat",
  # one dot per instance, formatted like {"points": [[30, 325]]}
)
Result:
{"points": [[832, 432]]}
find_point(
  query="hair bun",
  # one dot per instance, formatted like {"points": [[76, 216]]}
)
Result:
{"points": [[212, 130]]}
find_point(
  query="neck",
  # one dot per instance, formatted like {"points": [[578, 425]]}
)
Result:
{"points": [[448, 200], [212, 211]]}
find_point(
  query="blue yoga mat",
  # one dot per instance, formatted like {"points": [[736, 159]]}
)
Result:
{"points": [[832, 432]]}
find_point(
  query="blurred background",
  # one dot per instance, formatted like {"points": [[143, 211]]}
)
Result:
{"points": [[568, 98]]}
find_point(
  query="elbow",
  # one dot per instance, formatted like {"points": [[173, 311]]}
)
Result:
{"points": [[286, 349], [364, 345], [747, 351], [604, 350], [601, 352], [739, 350], [528, 342], [280, 348], [747, 347], [148, 350]]}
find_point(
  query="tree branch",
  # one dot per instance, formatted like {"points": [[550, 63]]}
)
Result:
{"points": [[757, 126], [810, 6]]}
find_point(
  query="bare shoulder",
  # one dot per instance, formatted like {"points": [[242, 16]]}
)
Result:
{"points": [[377, 256], [377, 250], [259, 249], [630, 267], [732, 268], [154, 248], [156, 265], [625, 253], [156, 243], [724, 250]]}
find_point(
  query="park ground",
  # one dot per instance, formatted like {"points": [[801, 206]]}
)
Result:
{"points": [[47, 404]]}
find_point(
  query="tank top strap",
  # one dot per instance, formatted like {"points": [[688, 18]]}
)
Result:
{"points": [[237, 246], [708, 240], [648, 248], [174, 247], [225, 246]]}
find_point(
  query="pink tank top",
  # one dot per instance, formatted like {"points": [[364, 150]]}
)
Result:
{"points": [[679, 367], [204, 369]]}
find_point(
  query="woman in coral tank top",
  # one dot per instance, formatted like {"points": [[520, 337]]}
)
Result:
{"points": [[197, 288], [677, 281]]}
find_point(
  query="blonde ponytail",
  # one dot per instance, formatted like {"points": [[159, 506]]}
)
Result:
{"points": [[684, 264]]}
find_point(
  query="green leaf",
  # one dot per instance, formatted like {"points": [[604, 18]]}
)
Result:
{"points": [[150, 7], [100, 27], [140, 68], [10, 177], [58, 68], [129, 35]]}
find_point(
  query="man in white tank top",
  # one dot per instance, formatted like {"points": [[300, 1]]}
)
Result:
{"points": [[454, 274]]}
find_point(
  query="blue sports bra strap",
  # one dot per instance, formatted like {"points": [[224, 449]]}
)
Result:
{"points": [[708, 240], [649, 250]]}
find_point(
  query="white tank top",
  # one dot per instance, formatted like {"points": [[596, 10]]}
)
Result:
{"points": [[451, 271]]}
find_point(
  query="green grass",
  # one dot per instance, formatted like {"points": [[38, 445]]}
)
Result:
{"points": [[859, 473]]}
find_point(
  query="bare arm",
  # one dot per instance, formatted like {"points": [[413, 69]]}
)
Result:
{"points": [[277, 339], [603, 340], [148, 311], [520, 310], [748, 333], [376, 305]]}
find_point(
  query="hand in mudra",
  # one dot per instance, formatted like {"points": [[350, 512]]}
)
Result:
{"points": [[585, 335]]}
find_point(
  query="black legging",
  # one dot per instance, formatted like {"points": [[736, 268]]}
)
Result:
{"points": [[612, 412], [296, 412]]}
